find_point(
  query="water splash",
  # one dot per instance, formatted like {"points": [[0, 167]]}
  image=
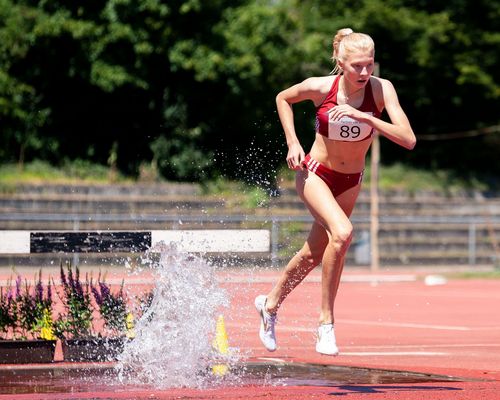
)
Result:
{"points": [[173, 342]]}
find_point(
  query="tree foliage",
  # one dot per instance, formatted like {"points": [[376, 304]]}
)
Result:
{"points": [[190, 85]]}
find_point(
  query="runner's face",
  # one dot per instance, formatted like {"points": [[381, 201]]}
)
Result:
{"points": [[358, 67]]}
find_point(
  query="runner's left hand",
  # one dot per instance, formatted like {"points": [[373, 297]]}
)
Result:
{"points": [[345, 110]]}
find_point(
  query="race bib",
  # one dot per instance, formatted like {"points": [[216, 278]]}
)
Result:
{"points": [[348, 130]]}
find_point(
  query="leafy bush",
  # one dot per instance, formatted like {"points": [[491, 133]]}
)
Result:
{"points": [[77, 319], [27, 312], [7, 311], [112, 307]]}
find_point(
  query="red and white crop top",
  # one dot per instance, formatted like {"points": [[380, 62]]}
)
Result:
{"points": [[346, 129]]}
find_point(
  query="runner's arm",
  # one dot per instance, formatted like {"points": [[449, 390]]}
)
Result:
{"points": [[399, 129], [305, 90]]}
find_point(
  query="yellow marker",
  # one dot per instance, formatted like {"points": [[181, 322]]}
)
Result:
{"points": [[129, 323], [221, 345], [46, 331]]}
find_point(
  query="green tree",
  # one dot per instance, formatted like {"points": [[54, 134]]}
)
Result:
{"points": [[191, 84], [20, 113]]}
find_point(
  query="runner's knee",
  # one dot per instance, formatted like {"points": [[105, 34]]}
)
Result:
{"points": [[341, 237]]}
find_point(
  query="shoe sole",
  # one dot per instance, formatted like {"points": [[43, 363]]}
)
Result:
{"points": [[327, 353]]}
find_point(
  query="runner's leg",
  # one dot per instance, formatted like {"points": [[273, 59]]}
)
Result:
{"points": [[319, 246]]}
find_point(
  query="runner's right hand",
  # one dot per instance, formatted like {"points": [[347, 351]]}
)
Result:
{"points": [[295, 156]]}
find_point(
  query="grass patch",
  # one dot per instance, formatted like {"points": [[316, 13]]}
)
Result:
{"points": [[241, 194], [494, 274], [39, 172], [402, 177], [222, 187]]}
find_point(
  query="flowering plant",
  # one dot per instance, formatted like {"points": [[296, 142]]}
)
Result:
{"points": [[35, 311], [26, 314], [77, 319], [112, 307], [7, 311]]}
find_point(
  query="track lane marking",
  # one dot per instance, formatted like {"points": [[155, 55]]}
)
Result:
{"points": [[405, 325], [393, 353]]}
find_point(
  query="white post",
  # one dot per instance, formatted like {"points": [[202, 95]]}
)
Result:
{"points": [[374, 203], [374, 200]]}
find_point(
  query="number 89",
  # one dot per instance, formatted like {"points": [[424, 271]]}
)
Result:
{"points": [[353, 131]]}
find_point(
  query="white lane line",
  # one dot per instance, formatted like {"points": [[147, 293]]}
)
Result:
{"points": [[405, 325], [271, 359], [421, 346], [312, 329], [376, 348], [393, 353], [487, 328], [359, 353]]}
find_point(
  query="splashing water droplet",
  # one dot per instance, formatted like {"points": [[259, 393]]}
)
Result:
{"points": [[173, 339]]}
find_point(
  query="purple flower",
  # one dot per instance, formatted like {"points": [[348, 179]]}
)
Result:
{"points": [[49, 293], [78, 287], [39, 290], [18, 287], [63, 277], [97, 295], [71, 281], [105, 292]]}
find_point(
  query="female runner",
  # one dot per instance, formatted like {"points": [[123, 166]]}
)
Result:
{"points": [[349, 103]]}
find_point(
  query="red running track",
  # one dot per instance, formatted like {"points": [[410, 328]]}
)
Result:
{"points": [[450, 329]]}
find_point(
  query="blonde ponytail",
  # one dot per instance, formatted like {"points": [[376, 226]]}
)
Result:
{"points": [[341, 33]]}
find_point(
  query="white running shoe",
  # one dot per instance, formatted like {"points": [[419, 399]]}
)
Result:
{"points": [[267, 322], [326, 343]]}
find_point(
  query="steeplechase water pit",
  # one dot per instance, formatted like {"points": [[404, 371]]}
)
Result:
{"points": [[86, 377]]}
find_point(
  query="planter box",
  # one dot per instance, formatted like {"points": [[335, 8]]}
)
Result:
{"points": [[92, 349], [27, 351]]}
